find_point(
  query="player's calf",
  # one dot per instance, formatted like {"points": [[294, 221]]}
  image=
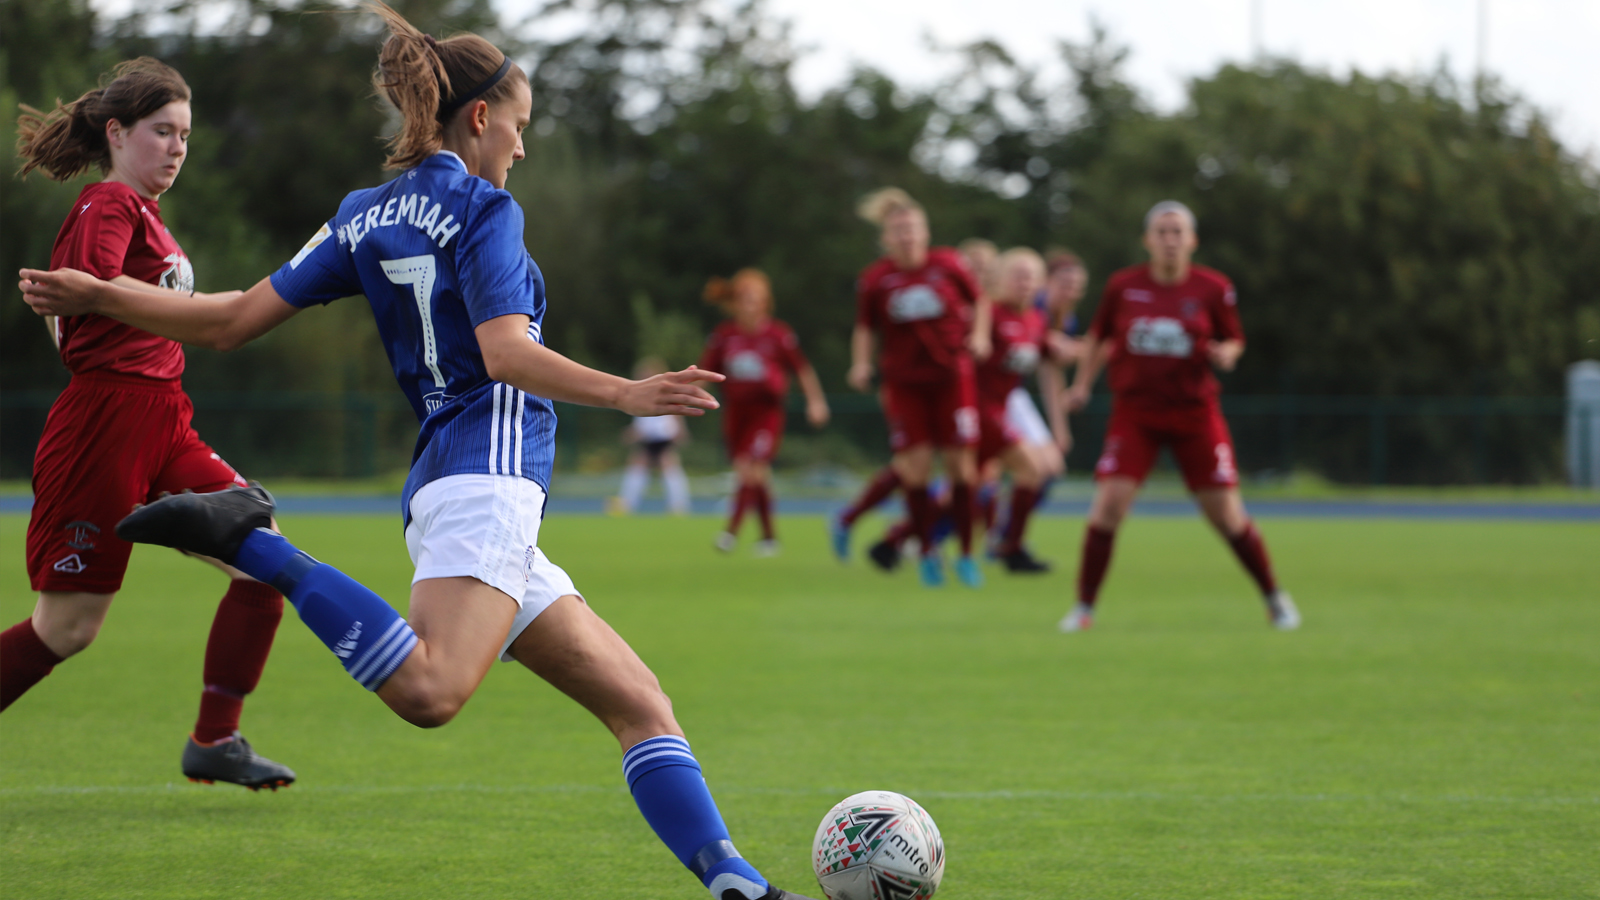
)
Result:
{"points": [[370, 639]]}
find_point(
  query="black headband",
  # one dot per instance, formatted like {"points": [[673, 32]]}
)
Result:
{"points": [[457, 102]]}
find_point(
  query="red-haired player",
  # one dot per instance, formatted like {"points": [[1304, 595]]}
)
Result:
{"points": [[756, 352], [1160, 328], [120, 434], [926, 310]]}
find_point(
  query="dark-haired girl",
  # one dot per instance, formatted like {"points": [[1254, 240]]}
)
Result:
{"points": [[120, 433], [438, 253]]}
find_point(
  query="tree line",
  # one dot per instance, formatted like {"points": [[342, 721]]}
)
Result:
{"points": [[1389, 234]]}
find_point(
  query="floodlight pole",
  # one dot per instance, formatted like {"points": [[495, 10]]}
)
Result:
{"points": [[1483, 39], [1255, 31]]}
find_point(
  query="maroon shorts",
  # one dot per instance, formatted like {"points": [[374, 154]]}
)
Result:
{"points": [[752, 431], [1198, 437], [944, 414], [110, 441], [995, 433]]}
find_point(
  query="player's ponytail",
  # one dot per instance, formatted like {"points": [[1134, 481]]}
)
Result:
{"points": [[430, 80], [721, 292], [66, 141]]}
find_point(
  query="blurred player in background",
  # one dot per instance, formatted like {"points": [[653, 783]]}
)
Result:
{"points": [[756, 353], [979, 254], [1160, 328], [120, 433], [921, 314], [1047, 437], [655, 441], [460, 306], [1018, 342], [1066, 282]]}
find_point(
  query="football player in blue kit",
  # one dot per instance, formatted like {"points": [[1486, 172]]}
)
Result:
{"points": [[438, 253]]}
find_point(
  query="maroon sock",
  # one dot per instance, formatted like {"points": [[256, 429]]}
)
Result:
{"points": [[1252, 553], [241, 637], [1096, 560], [961, 513], [896, 536], [24, 661], [919, 508], [764, 509], [741, 500], [1023, 500], [877, 490]]}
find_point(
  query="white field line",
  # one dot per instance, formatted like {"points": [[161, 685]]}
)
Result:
{"points": [[1113, 796]]}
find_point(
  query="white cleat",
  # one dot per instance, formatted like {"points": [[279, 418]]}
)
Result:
{"points": [[1080, 619], [764, 549], [726, 542], [1282, 612]]}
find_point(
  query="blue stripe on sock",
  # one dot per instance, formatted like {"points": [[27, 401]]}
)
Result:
{"points": [[672, 795]]}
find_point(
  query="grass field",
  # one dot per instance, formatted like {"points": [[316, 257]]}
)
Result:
{"points": [[1433, 731]]}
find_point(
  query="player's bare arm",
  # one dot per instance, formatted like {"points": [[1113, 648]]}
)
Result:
{"points": [[223, 321], [1053, 391], [863, 345], [817, 412], [1225, 354], [1091, 359], [512, 358], [981, 341]]}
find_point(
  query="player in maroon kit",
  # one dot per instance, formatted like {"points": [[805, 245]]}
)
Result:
{"points": [[119, 434], [920, 309], [1160, 328], [1018, 344], [756, 352], [1019, 341]]}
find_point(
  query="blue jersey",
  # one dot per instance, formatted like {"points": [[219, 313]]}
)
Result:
{"points": [[1068, 327], [438, 252]]}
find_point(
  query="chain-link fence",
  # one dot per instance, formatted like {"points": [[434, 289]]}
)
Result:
{"points": [[1354, 440]]}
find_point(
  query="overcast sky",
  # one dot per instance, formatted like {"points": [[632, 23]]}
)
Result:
{"points": [[1549, 50]]}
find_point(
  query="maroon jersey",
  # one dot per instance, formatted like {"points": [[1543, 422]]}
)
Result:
{"points": [[113, 231], [1159, 332], [1017, 339], [922, 316], [757, 363]]}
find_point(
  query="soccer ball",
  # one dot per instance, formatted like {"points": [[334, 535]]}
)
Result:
{"points": [[878, 845]]}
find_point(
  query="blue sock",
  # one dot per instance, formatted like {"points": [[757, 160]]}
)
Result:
{"points": [[666, 783], [367, 635]]}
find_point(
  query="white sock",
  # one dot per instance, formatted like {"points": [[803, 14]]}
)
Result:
{"points": [[634, 481], [677, 485]]}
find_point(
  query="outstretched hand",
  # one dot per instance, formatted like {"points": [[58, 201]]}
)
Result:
{"points": [[670, 394], [1224, 354], [64, 292]]}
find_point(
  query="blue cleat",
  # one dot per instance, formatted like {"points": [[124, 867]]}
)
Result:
{"points": [[967, 570], [931, 570], [839, 539]]}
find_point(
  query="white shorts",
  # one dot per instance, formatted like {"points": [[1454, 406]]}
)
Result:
{"points": [[487, 527], [1024, 417]]}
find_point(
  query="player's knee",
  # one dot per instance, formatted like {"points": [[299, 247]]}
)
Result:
{"points": [[426, 706], [71, 637]]}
